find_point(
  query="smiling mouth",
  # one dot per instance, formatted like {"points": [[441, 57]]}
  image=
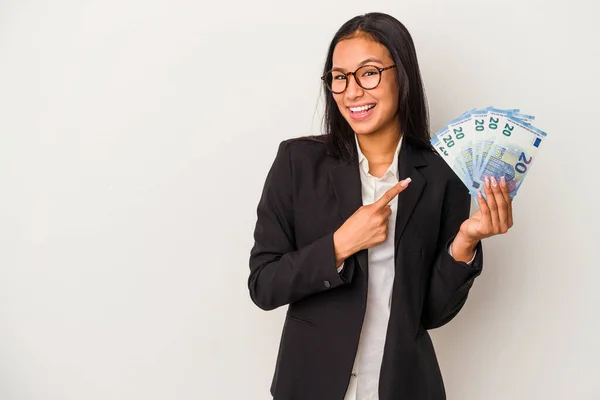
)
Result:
{"points": [[361, 109]]}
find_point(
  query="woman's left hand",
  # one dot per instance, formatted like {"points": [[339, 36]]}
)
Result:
{"points": [[493, 217]]}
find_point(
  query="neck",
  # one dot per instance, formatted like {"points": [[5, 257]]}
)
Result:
{"points": [[380, 146]]}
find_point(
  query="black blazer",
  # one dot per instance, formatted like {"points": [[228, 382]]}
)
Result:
{"points": [[308, 194]]}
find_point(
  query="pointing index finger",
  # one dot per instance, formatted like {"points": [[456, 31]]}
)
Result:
{"points": [[393, 192]]}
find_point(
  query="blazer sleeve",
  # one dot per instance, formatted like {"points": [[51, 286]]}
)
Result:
{"points": [[280, 273], [450, 280]]}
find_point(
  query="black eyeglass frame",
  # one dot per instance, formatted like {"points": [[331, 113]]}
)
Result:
{"points": [[347, 74]]}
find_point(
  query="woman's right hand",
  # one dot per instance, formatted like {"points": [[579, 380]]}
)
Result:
{"points": [[367, 227]]}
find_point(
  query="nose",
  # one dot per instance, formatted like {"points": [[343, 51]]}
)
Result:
{"points": [[353, 90]]}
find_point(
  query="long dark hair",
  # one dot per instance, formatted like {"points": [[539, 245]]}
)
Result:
{"points": [[412, 107]]}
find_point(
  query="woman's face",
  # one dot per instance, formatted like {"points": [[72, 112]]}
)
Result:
{"points": [[381, 102]]}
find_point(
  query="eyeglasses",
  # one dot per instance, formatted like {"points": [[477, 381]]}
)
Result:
{"points": [[367, 77]]}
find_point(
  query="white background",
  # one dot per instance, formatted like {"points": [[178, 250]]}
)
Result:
{"points": [[135, 137]]}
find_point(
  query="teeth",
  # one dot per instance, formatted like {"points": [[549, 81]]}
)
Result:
{"points": [[363, 108]]}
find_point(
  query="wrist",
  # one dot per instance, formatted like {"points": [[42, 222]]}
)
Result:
{"points": [[463, 247], [466, 240], [340, 247]]}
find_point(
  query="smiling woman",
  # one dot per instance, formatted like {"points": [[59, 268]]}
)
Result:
{"points": [[365, 232], [390, 79], [358, 98]]}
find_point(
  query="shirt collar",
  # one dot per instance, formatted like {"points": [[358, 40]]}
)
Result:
{"points": [[364, 163]]}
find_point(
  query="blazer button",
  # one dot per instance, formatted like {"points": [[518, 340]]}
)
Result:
{"points": [[327, 284]]}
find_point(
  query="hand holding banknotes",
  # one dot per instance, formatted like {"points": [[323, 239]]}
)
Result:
{"points": [[493, 217], [490, 150]]}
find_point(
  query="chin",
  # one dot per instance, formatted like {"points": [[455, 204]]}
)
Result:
{"points": [[363, 129]]}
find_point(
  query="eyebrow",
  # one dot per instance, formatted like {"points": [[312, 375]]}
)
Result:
{"points": [[366, 61]]}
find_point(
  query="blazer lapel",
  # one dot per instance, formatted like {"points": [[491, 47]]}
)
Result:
{"points": [[345, 180], [409, 160]]}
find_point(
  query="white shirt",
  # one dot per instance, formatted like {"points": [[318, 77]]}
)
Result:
{"points": [[364, 383]]}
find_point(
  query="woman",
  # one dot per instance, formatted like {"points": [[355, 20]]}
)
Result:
{"points": [[365, 232]]}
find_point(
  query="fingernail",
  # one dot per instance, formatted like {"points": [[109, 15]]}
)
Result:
{"points": [[479, 194], [503, 182], [494, 182], [487, 182], [405, 182]]}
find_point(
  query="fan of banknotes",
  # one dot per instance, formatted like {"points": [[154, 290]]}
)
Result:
{"points": [[490, 142]]}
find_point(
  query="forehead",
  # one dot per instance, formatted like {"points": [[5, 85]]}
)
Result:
{"points": [[349, 53]]}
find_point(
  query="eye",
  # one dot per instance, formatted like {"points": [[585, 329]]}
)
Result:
{"points": [[339, 77], [368, 71]]}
